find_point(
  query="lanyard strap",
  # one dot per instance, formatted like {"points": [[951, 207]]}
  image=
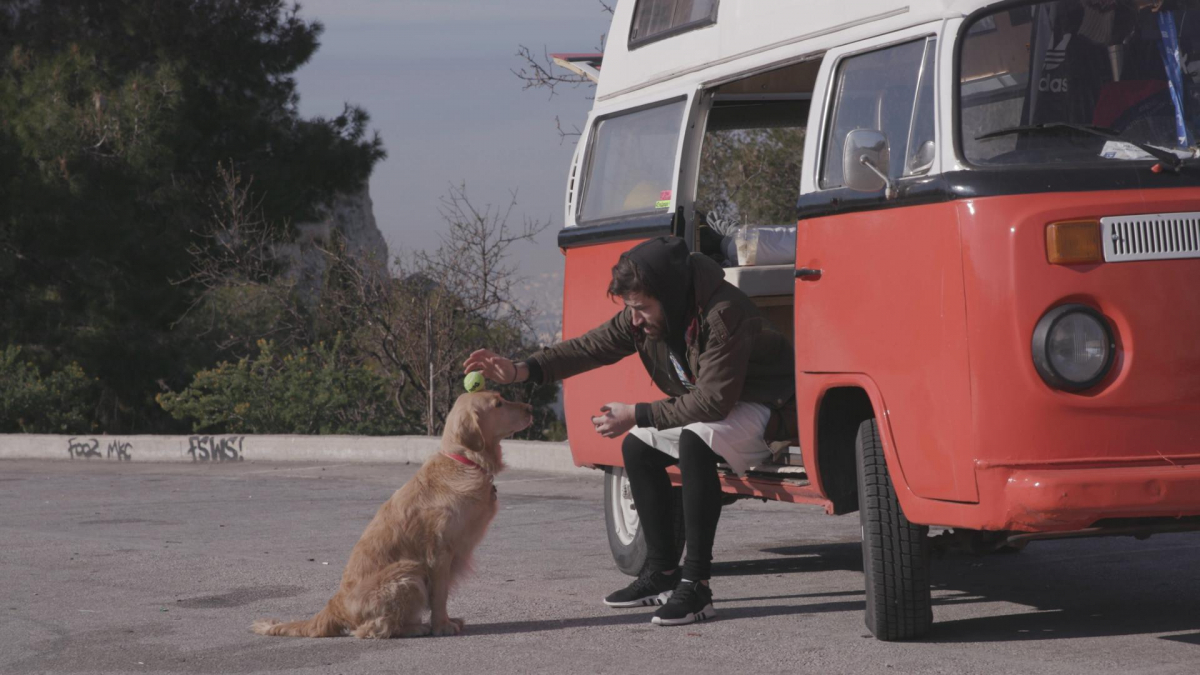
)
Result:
{"points": [[1169, 49]]}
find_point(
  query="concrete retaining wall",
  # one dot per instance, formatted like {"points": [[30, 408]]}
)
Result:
{"points": [[233, 448]]}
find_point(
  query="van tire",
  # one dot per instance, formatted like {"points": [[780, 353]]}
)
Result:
{"points": [[895, 552], [626, 541]]}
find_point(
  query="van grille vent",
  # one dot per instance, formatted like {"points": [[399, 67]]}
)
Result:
{"points": [[1158, 236]]}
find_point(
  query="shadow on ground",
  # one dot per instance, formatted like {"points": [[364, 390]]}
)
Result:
{"points": [[1071, 589]]}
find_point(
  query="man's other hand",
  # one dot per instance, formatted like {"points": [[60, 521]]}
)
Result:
{"points": [[617, 419], [495, 367]]}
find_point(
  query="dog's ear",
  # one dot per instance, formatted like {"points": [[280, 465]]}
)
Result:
{"points": [[463, 429]]}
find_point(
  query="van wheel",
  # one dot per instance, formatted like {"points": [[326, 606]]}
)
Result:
{"points": [[895, 552], [625, 537]]}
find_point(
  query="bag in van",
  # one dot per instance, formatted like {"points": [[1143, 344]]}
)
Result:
{"points": [[751, 245]]}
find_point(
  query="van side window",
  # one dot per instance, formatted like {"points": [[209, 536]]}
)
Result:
{"points": [[630, 164], [657, 19], [890, 90], [750, 162]]}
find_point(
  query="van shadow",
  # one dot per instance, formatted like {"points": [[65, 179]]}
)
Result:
{"points": [[1061, 589], [508, 627], [790, 560], [1069, 588], [1103, 587], [794, 559], [642, 618]]}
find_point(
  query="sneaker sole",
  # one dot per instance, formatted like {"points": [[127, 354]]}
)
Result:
{"points": [[648, 601], [703, 615]]}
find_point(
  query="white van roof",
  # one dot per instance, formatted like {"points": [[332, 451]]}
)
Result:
{"points": [[748, 28]]}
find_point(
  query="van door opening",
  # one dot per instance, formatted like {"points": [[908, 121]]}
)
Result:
{"points": [[747, 183]]}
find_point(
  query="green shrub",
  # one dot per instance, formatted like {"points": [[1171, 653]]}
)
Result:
{"points": [[58, 402], [311, 391]]}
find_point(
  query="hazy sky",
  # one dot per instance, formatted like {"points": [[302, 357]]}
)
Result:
{"points": [[435, 77]]}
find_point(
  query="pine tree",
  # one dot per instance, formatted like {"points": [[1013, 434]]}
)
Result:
{"points": [[114, 117]]}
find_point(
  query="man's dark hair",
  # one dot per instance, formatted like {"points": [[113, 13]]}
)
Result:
{"points": [[626, 279]]}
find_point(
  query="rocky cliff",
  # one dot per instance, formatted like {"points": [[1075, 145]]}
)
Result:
{"points": [[350, 215]]}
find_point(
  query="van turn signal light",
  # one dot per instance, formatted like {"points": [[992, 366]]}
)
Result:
{"points": [[1074, 242]]}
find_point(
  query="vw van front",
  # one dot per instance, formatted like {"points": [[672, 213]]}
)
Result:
{"points": [[1077, 125]]}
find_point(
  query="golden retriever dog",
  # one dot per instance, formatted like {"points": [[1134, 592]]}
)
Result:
{"points": [[420, 542]]}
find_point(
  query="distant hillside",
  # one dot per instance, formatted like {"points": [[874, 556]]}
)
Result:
{"points": [[544, 293]]}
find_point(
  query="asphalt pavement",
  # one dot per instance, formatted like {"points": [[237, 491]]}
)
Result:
{"points": [[160, 568]]}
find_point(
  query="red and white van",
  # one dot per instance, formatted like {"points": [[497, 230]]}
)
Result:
{"points": [[995, 292]]}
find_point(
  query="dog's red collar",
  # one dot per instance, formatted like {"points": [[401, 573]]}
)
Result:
{"points": [[462, 458]]}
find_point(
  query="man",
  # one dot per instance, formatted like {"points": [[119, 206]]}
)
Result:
{"points": [[729, 379]]}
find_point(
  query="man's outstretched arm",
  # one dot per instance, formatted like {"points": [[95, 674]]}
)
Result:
{"points": [[604, 345]]}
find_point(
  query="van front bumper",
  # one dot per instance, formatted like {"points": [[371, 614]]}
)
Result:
{"points": [[1064, 498]]}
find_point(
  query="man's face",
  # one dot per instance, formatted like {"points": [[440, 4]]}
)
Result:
{"points": [[647, 314]]}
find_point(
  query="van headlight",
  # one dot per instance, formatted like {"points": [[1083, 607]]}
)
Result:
{"points": [[1073, 347]]}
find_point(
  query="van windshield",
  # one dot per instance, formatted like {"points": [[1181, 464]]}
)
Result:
{"points": [[1081, 82], [631, 164]]}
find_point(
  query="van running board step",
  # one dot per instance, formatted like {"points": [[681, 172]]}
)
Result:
{"points": [[783, 472]]}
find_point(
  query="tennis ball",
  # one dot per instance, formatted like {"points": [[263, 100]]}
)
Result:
{"points": [[473, 381]]}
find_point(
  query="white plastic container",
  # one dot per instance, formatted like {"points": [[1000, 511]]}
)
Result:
{"points": [[753, 245]]}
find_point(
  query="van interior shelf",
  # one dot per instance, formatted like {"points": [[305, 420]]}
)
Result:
{"points": [[765, 280]]}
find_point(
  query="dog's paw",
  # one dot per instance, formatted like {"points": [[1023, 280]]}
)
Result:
{"points": [[264, 626], [448, 627], [375, 629]]}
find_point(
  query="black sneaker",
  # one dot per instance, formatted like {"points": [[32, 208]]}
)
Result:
{"points": [[650, 588], [691, 602]]}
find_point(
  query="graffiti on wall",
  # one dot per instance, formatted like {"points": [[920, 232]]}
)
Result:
{"points": [[215, 448], [201, 449], [120, 451], [83, 448], [87, 448]]}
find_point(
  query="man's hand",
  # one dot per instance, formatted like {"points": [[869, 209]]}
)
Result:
{"points": [[616, 420], [495, 367]]}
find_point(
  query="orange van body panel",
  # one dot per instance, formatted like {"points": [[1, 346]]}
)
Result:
{"points": [[890, 304], [1148, 408], [1049, 460], [586, 305], [1046, 460]]}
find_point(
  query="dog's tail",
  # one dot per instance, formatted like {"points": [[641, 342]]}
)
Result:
{"points": [[324, 624]]}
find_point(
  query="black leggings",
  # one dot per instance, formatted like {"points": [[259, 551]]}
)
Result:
{"points": [[646, 468]]}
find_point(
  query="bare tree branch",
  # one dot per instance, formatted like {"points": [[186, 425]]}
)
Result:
{"points": [[415, 323], [542, 73], [420, 323]]}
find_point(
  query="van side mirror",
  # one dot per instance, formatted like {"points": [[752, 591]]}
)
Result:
{"points": [[865, 162]]}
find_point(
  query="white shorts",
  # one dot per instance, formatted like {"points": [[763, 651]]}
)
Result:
{"points": [[738, 438]]}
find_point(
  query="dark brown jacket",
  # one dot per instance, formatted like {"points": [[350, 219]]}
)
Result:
{"points": [[733, 352]]}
